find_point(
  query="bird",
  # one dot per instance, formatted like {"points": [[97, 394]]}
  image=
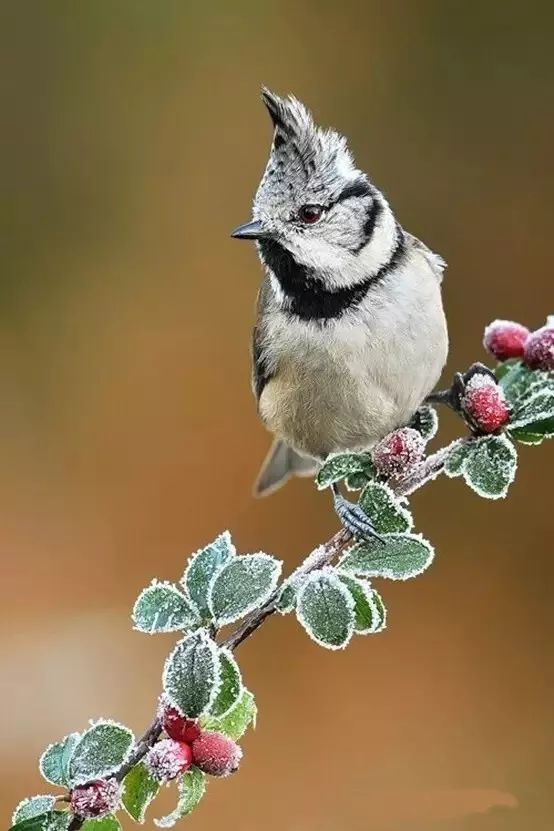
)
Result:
{"points": [[350, 334]]}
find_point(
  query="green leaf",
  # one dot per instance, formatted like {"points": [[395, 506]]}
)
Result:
{"points": [[161, 607], [426, 422], [368, 612], [536, 408], [48, 821], [191, 674], [100, 751], [491, 466], [230, 686], [381, 505], [236, 722], [192, 787], [108, 823], [456, 458], [202, 568], [33, 806], [520, 384], [382, 612], [54, 762], [357, 481], [526, 437], [242, 585], [287, 599], [400, 557], [325, 609], [139, 789], [338, 467]]}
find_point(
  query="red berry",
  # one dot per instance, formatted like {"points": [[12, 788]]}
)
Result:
{"points": [[485, 404], [96, 799], [505, 339], [178, 727], [539, 349], [168, 759], [215, 754], [399, 451]]}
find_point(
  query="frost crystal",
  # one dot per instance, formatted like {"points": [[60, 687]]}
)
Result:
{"points": [[101, 750], [325, 609], [191, 675], [243, 584]]}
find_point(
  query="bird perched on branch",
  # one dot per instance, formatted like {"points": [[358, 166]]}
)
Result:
{"points": [[350, 335]]}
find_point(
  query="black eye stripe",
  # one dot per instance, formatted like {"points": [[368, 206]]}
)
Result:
{"points": [[359, 188]]}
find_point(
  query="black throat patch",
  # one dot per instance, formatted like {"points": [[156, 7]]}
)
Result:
{"points": [[307, 297]]}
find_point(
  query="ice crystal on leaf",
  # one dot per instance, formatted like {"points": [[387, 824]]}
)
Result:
{"points": [[369, 610], [381, 505], [325, 608], [161, 607], [242, 585], [191, 675], [342, 465], [33, 806], [100, 751], [203, 567], [49, 821], [400, 557], [54, 762], [488, 465], [192, 787]]}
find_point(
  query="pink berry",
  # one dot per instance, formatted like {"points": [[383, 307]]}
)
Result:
{"points": [[178, 727], [539, 349], [485, 404], [168, 759], [96, 799], [505, 339], [215, 754], [398, 451]]}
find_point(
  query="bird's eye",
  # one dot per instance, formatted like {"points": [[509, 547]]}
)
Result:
{"points": [[309, 214]]}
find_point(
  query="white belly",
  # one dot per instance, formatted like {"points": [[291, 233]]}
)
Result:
{"points": [[348, 384]]}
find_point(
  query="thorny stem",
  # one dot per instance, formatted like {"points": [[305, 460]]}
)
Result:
{"points": [[323, 555]]}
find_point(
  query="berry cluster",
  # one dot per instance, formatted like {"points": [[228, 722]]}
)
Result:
{"points": [[188, 744], [506, 339]]}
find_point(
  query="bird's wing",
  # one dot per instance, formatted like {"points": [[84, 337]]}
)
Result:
{"points": [[261, 369], [435, 260]]}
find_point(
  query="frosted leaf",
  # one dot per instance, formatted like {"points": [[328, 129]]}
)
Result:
{"points": [[54, 762], [539, 406], [456, 458], [491, 466], [426, 422], [400, 557], [287, 599], [529, 438], [356, 481], [202, 568], [382, 612], [49, 821], [339, 466], [242, 585], [100, 751], [520, 383], [191, 675], [230, 684], [139, 789], [385, 511], [236, 722], [108, 823], [325, 609], [192, 787], [33, 806], [161, 607], [368, 613]]}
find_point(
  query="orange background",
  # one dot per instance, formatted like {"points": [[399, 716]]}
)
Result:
{"points": [[131, 144]]}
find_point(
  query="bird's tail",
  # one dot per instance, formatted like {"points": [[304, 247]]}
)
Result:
{"points": [[279, 465]]}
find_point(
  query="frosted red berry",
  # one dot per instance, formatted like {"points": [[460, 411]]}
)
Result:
{"points": [[168, 759], [485, 405], [216, 754], [505, 339], [178, 727], [399, 451], [96, 799], [539, 349]]}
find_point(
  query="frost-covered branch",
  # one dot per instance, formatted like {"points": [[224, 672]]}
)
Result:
{"points": [[205, 707]]}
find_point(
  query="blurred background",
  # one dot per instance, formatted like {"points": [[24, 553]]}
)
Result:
{"points": [[132, 141]]}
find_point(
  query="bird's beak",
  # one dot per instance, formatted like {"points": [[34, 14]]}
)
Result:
{"points": [[250, 230]]}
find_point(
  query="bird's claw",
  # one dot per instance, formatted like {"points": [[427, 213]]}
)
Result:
{"points": [[354, 519]]}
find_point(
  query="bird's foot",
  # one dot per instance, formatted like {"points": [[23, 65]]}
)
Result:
{"points": [[354, 519]]}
